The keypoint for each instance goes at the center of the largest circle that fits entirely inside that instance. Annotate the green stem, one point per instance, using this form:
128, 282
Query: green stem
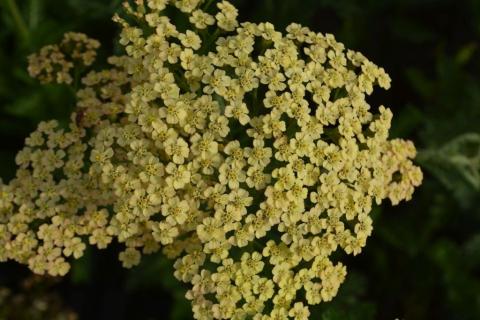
211, 41
255, 104
77, 78
209, 3
20, 24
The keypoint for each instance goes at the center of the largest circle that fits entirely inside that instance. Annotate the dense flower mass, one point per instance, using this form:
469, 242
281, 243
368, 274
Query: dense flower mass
247, 155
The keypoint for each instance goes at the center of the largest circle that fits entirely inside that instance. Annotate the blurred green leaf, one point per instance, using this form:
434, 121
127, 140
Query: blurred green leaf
414, 31
35, 13
456, 165
407, 121
465, 53
472, 250
420, 82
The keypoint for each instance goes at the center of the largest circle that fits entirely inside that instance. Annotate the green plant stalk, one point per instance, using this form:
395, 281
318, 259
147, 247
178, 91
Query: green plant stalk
207, 5
20, 24
211, 41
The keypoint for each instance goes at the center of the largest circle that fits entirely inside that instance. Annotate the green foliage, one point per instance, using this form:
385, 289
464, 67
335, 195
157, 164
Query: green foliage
457, 166
423, 259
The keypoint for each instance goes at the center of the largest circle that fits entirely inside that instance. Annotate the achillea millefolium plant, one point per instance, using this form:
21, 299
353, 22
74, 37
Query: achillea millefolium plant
248, 155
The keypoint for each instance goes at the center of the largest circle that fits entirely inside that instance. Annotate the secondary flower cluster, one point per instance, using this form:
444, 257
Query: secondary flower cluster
247, 155
54, 63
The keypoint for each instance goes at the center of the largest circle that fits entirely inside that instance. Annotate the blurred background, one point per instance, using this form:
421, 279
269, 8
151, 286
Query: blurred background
423, 260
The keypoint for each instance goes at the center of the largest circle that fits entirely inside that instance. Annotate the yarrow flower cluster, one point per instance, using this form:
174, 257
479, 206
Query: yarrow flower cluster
247, 155
54, 63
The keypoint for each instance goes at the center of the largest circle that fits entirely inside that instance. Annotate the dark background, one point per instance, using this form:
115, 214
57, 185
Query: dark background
423, 260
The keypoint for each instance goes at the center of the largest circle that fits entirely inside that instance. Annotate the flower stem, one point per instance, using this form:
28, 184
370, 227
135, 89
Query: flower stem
209, 3
211, 41
20, 24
